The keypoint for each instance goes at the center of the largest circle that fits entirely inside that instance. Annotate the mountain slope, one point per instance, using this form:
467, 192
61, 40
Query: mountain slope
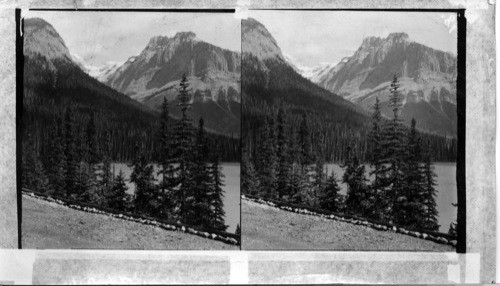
427, 80
213, 74
270, 82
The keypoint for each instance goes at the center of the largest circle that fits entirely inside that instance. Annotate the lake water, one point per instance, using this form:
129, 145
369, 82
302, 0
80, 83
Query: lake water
231, 187
446, 187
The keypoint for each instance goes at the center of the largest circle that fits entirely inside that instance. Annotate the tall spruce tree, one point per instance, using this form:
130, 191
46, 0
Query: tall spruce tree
283, 170
411, 196
217, 197
182, 152
201, 180
393, 146
376, 158
169, 179
429, 192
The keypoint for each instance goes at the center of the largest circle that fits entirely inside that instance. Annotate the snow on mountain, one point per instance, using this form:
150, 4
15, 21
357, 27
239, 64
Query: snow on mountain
311, 73
101, 73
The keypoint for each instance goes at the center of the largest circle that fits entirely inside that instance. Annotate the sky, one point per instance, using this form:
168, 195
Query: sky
100, 37
313, 37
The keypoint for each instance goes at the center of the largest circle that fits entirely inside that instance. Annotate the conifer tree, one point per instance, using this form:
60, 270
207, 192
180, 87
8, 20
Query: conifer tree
376, 158
166, 142
117, 196
358, 201
169, 179
300, 187
70, 153
201, 180
146, 199
412, 207
85, 187
394, 138
217, 195
429, 192
182, 147
329, 198
283, 170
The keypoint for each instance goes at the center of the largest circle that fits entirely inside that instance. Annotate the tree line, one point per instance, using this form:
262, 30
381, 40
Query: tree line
49, 92
287, 162
190, 179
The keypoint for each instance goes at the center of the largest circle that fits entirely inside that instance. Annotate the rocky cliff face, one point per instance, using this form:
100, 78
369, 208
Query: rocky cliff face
213, 74
427, 79
164, 60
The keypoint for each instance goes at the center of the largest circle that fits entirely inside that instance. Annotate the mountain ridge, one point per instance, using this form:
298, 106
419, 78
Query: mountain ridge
427, 80
213, 74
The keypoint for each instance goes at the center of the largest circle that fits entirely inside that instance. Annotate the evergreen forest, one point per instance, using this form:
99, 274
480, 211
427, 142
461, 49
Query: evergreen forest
70, 142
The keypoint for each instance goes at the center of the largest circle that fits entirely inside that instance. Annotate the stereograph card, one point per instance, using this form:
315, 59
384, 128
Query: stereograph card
237, 142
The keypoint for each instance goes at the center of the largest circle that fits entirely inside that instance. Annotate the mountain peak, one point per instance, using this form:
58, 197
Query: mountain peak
185, 35
257, 40
398, 36
158, 41
41, 39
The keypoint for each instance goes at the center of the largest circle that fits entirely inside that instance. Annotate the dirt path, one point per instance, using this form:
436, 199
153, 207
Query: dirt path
47, 225
264, 227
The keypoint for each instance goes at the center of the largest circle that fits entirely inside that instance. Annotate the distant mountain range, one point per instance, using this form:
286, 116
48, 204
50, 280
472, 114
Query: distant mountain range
427, 79
54, 80
213, 75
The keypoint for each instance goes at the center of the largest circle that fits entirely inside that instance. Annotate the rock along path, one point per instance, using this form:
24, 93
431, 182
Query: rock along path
267, 228
47, 225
